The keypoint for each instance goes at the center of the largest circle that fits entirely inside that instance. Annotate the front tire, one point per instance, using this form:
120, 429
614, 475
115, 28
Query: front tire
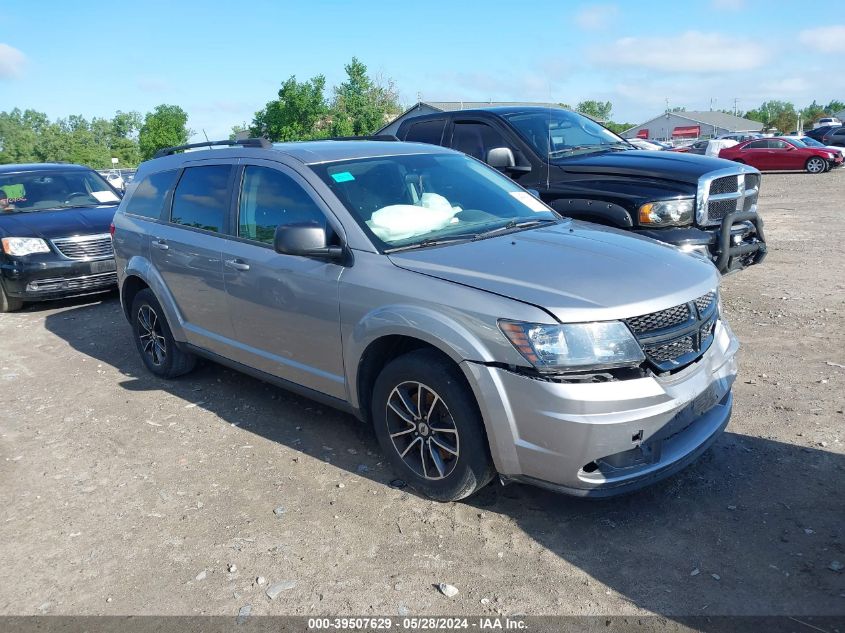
7, 303
816, 165
429, 426
154, 339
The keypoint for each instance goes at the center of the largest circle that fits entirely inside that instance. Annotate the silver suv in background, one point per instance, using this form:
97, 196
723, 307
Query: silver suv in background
480, 332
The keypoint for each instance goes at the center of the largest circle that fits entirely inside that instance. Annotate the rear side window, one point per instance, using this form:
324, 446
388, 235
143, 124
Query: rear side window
757, 145
270, 198
201, 198
149, 195
430, 131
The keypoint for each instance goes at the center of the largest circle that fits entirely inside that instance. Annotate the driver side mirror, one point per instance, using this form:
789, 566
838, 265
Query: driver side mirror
305, 240
502, 158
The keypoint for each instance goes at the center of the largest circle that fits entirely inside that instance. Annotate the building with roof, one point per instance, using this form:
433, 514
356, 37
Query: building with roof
429, 107
674, 126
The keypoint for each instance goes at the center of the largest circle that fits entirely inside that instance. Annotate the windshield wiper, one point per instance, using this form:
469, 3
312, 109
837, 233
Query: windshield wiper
617, 145
431, 241
514, 225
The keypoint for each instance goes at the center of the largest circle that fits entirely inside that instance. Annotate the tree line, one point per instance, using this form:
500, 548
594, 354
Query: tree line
301, 110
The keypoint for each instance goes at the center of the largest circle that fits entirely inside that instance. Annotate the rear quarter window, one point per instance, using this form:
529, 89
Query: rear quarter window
149, 195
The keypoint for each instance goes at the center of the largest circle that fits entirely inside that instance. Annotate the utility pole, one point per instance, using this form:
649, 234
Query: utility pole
736, 101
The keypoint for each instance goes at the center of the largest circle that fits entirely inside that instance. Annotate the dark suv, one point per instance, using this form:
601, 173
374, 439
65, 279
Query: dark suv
584, 171
54, 225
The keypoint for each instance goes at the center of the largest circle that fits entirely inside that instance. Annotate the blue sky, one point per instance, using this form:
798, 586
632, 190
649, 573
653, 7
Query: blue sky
221, 61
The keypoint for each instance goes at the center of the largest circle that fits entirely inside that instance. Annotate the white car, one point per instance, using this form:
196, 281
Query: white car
641, 143
828, 120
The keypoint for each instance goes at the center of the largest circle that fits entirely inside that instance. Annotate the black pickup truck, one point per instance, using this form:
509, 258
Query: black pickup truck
583, 170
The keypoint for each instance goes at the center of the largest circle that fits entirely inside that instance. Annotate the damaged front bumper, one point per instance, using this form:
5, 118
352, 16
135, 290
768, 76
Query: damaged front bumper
607, 438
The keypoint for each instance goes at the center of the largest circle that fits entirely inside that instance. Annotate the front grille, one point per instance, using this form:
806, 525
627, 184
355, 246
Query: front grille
718, 209
727, 194
728, 184
85, 246
89, 282
660, 320
666, 352
677, 336
704, 302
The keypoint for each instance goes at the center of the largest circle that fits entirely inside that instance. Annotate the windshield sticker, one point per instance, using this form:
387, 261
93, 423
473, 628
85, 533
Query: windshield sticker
529, 201
105, 196
343, 176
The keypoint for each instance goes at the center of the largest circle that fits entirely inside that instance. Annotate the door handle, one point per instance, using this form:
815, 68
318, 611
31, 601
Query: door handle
237, 264
160, 244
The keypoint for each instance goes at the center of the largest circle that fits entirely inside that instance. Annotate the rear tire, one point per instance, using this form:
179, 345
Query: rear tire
154, 339
7, 303
429, 426
816, 165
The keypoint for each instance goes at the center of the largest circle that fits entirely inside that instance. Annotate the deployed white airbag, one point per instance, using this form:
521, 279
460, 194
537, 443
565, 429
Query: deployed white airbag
716, 145
401, 221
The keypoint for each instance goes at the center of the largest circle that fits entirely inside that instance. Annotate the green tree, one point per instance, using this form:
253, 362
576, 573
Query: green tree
780, 115
812, 113
298, 113
126, 124
361, 104
834, 106
165, 126
599, 110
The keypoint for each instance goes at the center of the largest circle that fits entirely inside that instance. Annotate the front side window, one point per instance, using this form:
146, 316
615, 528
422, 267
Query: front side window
29, 191
270, 198
777, 144
429, 131
148, 197
476, 139
201, 198
415, 200
560, 134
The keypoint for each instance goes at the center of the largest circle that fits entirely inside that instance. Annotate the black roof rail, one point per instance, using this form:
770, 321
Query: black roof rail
246, 142
371, 137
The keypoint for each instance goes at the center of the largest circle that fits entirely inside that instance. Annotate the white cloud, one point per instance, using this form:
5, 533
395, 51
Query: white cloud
728, 5
596, 17
690, 52
11, 62
827, 39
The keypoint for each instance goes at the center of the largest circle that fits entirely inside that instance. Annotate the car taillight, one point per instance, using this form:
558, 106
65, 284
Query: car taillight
111, 229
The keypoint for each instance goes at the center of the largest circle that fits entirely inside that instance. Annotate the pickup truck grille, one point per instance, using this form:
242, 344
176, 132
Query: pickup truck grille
85, 247
719, 196
675, 337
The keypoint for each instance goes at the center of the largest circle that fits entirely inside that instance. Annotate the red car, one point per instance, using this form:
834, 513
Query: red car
768, 154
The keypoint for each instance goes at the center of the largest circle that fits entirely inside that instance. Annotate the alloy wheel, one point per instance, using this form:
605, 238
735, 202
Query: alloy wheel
422, 430
816, 165
153, 343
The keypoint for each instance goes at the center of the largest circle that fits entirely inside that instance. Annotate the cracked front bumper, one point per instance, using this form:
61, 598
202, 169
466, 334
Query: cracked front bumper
601, 439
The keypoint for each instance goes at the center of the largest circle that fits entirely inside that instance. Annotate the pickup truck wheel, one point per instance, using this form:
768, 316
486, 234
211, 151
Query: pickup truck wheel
429, 426
154, 339
816, 165
7, 303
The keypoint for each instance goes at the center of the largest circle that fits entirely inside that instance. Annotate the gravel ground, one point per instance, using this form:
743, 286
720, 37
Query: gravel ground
124, 494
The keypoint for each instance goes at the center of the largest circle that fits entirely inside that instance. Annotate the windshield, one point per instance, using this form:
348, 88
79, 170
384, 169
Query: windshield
811, 142
54, 189
424, 199
559, 133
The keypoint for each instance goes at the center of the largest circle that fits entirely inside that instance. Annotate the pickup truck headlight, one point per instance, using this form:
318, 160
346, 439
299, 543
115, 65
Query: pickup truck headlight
667, 212
574, 347
24, 245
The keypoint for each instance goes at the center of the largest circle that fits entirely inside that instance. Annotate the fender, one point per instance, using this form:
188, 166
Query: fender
142, 268
439, 330
594, 211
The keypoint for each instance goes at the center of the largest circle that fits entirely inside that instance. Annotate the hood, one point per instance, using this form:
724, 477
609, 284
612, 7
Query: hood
58, 223
642, 163
575, 271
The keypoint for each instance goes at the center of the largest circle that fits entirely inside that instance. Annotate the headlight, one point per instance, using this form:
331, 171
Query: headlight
24, 245
831, 156
574, 347
667, 212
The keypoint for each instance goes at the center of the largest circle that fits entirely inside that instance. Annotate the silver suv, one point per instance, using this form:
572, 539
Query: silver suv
479, 332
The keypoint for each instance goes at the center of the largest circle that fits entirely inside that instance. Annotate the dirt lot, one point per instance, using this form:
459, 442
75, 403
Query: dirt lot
124, 494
